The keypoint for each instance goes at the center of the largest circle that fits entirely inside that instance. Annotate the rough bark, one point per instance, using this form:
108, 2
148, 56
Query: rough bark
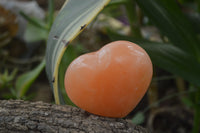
17, 116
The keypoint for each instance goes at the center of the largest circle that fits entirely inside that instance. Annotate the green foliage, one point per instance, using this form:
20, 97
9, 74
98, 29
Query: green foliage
50, 16
138, 118
36, 30
180, 54
25, 80
6, 78
34, 34
116, 2
179, 30
167, 16
168, 57
71, 20
71, 53
34, 21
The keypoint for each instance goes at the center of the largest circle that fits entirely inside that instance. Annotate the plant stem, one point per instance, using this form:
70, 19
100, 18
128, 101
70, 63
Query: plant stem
196, 123
33, 21
50, 13
133, 18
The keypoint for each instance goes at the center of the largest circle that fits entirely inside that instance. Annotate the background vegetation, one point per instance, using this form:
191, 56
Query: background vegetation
167, 29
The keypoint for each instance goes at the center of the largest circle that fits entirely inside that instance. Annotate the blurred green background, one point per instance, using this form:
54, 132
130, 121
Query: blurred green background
169, 30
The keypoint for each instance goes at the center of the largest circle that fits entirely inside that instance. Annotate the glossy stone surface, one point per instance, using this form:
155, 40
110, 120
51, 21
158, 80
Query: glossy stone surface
111, 81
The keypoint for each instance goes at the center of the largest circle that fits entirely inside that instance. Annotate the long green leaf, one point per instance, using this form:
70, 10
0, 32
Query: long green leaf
174, 60
33, 21
168, 17
50, 13
34, 34
168, 57
195, 20
71, 20
71, 53
25, 80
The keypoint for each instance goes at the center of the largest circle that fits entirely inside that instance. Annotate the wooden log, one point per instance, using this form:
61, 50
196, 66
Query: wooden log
17, 116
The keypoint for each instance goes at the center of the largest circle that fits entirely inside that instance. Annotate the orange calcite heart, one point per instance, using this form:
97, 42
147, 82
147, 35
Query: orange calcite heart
111, 81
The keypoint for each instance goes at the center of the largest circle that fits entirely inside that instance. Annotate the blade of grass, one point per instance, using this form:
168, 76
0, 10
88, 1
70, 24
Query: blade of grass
170, 20
50, 13
133, 18
74, 16
33, 21
25, 80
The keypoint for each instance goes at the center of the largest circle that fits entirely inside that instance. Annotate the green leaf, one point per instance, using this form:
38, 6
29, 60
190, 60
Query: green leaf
167, 16
138, 118
50, 13
33, 21
70, 54
174, 60
25, 80
33, 34
168, 57
116, 3
74, 16
195, 20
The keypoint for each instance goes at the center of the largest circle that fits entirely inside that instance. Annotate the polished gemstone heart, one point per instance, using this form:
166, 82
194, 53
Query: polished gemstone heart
111, 81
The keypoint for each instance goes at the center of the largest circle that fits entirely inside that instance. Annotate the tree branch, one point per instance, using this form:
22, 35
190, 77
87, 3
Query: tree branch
17, 116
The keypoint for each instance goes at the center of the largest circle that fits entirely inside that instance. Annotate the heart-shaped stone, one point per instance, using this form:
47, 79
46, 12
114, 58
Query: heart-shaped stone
111, 81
